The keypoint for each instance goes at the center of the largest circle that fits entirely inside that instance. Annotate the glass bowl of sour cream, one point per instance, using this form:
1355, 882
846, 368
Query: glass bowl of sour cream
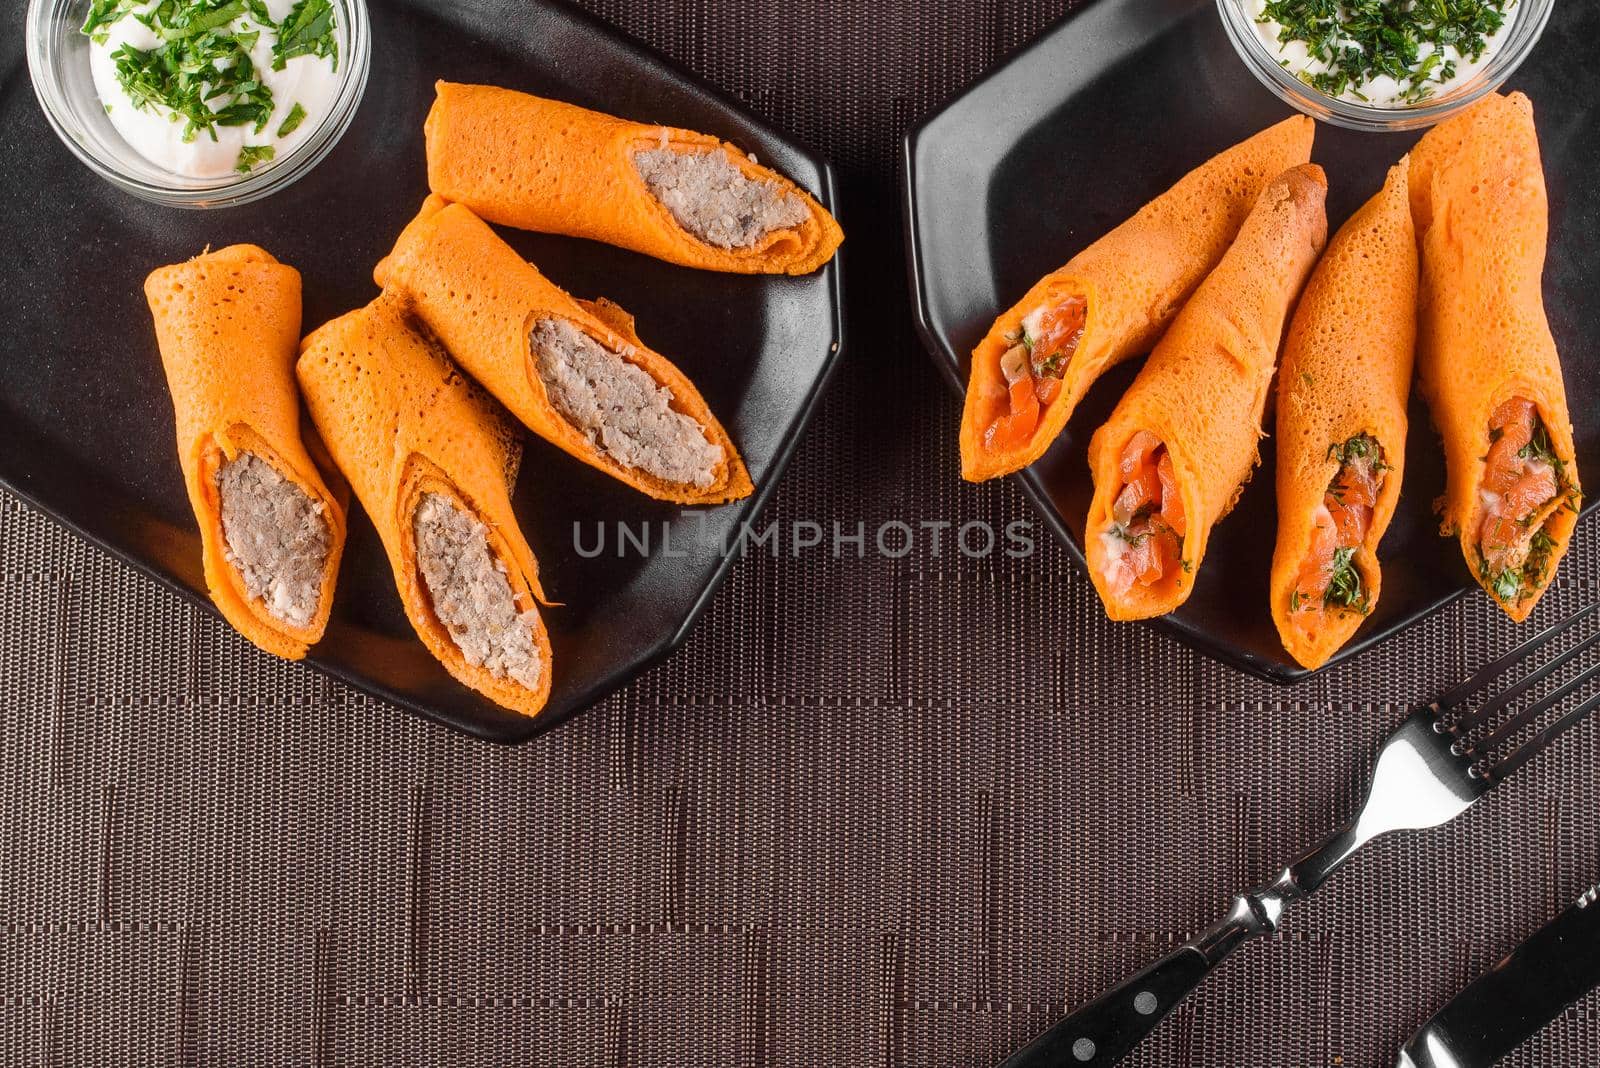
199, 103
1333, 62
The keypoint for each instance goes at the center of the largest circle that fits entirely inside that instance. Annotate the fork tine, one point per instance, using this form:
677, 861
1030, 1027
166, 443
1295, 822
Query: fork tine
1501, 700
1493, 670
1537, 709
1535, 745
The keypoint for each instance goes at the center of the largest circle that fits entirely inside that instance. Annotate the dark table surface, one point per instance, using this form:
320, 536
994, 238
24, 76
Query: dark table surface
887, 812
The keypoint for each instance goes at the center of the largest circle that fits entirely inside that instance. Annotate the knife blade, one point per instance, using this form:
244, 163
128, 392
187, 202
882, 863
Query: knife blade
1507, 1005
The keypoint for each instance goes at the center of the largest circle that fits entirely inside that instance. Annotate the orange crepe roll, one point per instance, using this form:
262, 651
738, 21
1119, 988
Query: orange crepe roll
573, 371
430, 459
680, 196
1486, 359
271, 531
1180, 445
1111, 301
1341, 446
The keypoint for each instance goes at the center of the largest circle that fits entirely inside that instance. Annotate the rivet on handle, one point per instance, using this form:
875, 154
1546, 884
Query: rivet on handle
1144, 1003
1083, 1049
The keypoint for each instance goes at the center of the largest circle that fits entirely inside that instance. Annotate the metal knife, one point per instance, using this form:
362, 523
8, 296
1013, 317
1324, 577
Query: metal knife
1503, 1008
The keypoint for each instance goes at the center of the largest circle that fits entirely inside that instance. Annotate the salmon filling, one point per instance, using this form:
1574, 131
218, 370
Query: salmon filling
1328, 579
1524, 484
1144, 544
1033, 367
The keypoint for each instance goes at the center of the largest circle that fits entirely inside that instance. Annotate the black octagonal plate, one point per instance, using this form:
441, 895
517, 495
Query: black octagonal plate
1109, 108
86, 424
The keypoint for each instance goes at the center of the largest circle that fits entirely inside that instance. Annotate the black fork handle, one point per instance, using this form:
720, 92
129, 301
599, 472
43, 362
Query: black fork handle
1103, 1031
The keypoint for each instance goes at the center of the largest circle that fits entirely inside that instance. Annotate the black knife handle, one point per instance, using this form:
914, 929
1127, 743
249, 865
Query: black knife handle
1507, 1005
1103, 1031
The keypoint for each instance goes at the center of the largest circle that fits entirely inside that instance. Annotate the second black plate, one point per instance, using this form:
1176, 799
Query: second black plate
86, 424
1108, 109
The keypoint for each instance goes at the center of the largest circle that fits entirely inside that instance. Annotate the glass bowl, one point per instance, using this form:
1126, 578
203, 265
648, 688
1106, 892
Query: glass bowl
58, 60
1527, 22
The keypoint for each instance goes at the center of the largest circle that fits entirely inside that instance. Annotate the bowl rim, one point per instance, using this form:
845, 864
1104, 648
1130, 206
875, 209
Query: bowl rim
221, 192
1530, 18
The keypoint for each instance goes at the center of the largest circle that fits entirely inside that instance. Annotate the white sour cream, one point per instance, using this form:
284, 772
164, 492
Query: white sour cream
1384, 90
154, 132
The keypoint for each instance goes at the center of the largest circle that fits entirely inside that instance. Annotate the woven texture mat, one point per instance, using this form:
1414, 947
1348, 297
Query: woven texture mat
877, 812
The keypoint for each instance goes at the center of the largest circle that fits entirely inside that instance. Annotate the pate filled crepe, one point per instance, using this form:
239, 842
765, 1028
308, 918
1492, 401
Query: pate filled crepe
681, 196
1341, 442
1177, 451
430, 458
271, 531
1111, 301
1487, 362
573, 371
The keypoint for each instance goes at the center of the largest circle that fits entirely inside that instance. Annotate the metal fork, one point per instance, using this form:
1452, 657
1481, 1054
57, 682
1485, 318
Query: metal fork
1430, 770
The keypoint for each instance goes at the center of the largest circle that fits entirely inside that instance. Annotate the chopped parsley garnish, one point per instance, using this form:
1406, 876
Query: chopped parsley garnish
206, 80
292, 121
202, 72
250, 155
307, 31
102, 13
1360, 40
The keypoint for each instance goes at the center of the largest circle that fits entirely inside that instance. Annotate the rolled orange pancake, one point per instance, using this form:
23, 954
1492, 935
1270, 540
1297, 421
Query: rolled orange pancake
574, 372
271, 530
1487, 362
1180, 445
1341, 448
1111, 301
429, 458
680, 196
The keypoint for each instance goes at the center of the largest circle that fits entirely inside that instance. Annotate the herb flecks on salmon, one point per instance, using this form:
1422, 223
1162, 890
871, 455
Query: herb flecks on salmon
1033, 367
1147, 517
1329, 579
1524, 484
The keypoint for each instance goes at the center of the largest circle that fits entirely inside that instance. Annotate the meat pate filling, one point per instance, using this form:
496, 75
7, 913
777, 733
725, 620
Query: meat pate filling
624, 411
471, 594
275, 536
714, 200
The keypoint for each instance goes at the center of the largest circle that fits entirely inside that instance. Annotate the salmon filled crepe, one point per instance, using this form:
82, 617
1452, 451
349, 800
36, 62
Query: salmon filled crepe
271, 531
1177, 451
1111, 301
573, 371
1486, 360
431, 459
1341, 443
681, 196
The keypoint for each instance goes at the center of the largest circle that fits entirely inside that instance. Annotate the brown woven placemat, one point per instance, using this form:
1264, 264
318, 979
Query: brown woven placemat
876, 812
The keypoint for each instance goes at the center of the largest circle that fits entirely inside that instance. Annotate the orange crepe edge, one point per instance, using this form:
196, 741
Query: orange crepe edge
1482, 214
1352, 339
1120, 323
232, 388
401, 421
448, 250
1204, 389
539, 164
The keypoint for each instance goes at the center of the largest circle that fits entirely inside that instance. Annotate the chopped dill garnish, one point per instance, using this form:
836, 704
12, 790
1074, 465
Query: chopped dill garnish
1345, 589
1363, 447
1360, 40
